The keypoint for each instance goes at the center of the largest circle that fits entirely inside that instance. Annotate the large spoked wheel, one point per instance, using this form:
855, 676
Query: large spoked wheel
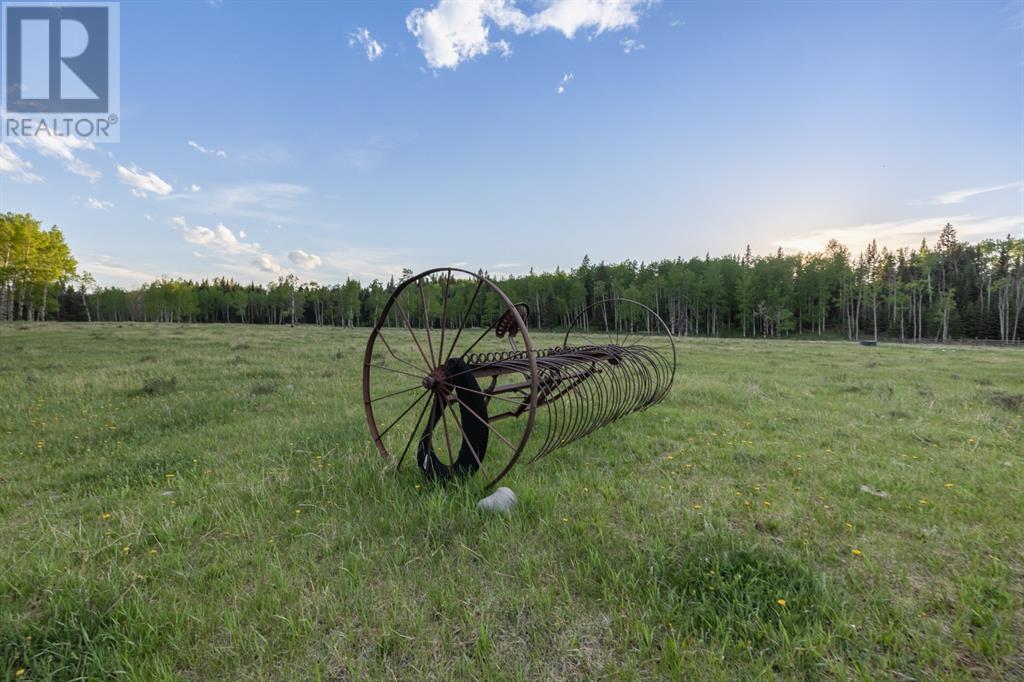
429, 395
631, 325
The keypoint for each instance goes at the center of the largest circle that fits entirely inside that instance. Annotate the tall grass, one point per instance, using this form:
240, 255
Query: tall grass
234, 520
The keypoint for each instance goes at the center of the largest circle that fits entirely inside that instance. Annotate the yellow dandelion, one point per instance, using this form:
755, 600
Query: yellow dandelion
19, 673
298, 511
105, 516
849, 525
169, 475
947, 486
696, 506
669, 457
855, 552
922, 501
565, 519
125, 549
780, 602
767, 503
152, 552
418, 486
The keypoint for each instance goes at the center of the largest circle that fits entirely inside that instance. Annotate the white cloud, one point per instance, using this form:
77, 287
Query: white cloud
17, 168
908, 232
265, 262
194, 188
570, 16
143, 184
457, 30
362, 38
63, 147
306, 261
98, 204
631, 45
565, 81
60, 146
959, 195
215, 152
222, 240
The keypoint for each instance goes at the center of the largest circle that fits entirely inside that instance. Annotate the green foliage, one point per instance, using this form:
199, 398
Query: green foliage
956, 290
33, 263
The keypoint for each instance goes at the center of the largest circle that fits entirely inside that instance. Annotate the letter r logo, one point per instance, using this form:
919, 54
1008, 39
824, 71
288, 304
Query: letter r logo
56, 58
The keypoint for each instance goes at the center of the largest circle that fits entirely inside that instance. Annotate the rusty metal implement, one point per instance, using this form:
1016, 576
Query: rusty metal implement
453, 380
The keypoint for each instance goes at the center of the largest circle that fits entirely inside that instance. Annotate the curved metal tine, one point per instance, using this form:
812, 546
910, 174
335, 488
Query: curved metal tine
444, 317
462, 323
487, 424
390, 395
503, 363
564, 407
467, 441
426, 318
408, 325
387, 345
412, 435
546, 415
399, 417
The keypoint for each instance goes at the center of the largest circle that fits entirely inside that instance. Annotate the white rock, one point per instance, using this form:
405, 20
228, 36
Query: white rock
500, 501
864, 488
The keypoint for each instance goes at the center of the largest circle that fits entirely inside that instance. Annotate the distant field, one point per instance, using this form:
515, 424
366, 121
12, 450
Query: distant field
203, 502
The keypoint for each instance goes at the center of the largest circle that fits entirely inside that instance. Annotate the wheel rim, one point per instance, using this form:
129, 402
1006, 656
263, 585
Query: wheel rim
410, 395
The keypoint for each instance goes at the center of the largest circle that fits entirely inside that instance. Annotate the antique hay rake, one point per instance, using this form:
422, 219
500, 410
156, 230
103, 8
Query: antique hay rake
452, 376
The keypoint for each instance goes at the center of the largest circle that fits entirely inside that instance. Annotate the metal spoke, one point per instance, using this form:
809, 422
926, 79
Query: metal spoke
426, 318
487, 424
408, 325
390, 395
399, 417
392, 352
462, 324
396, 371
444, 424
468, 442
493, 396
478, 340
444, 317
412, 435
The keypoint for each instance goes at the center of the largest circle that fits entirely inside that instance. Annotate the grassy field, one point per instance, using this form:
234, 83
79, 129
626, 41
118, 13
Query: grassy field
200, 502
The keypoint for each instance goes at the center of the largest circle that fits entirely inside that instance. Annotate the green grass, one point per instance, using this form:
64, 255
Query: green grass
204, 502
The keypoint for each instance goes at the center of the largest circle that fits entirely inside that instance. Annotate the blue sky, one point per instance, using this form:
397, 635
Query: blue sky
337, 139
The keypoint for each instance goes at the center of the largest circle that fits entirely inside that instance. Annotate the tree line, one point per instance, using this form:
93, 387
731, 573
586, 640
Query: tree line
945, 291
